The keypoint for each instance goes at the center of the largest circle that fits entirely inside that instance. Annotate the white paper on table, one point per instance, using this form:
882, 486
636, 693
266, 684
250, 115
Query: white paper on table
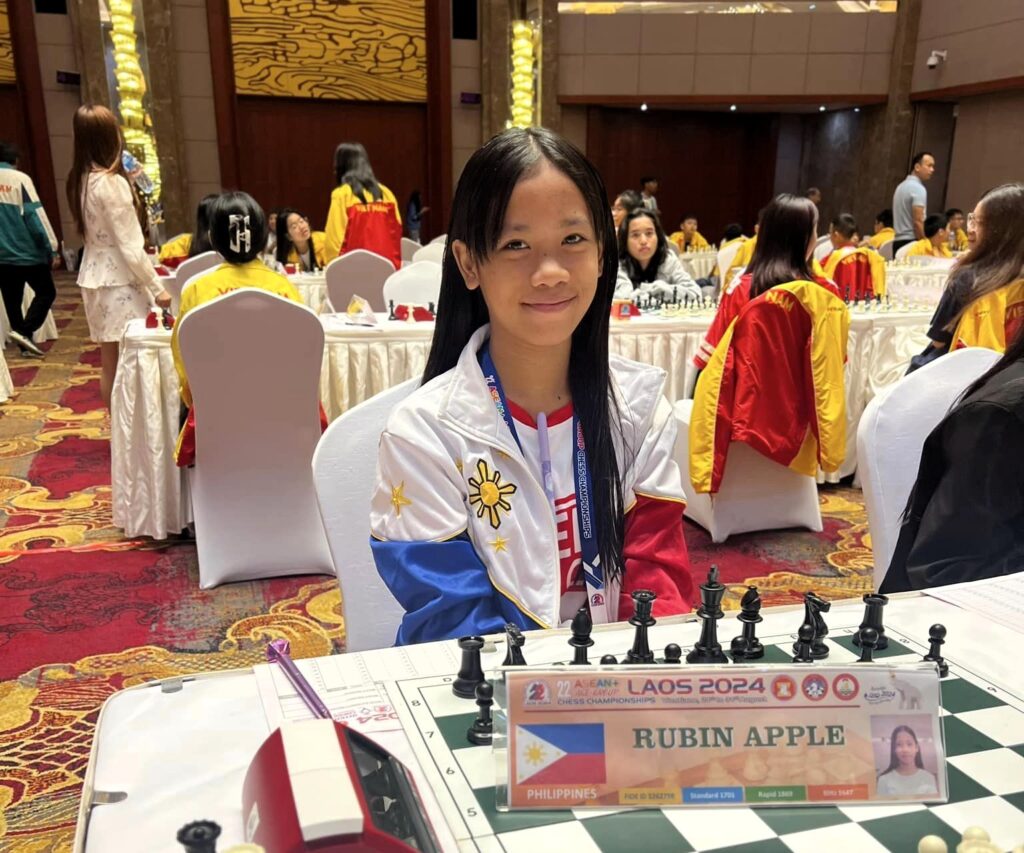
1001, 598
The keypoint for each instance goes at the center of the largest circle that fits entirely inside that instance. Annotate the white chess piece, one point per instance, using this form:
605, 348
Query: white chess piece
932, 844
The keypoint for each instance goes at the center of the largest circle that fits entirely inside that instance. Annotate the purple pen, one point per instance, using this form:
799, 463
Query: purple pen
277, 652
545, 458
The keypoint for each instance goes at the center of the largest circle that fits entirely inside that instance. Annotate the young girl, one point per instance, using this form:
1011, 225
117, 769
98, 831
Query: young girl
905, 775
646, 264
117, 279
186, 246
297, 244
531, 474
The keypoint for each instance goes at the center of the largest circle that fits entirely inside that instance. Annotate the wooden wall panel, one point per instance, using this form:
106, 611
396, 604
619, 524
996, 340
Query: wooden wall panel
286, 149
720, 166
12, 127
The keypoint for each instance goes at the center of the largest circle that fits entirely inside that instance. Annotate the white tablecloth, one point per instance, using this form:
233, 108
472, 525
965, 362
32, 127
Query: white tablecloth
917, 285
46, 332
699, 264
361, 361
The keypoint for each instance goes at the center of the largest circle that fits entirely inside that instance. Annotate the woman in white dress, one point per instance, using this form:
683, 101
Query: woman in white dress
118, 280
906, 776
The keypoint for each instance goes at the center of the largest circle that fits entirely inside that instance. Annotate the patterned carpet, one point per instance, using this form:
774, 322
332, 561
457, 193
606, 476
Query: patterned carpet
85, 612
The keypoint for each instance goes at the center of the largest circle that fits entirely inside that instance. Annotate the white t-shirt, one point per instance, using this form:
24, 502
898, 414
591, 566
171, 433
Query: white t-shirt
894, 784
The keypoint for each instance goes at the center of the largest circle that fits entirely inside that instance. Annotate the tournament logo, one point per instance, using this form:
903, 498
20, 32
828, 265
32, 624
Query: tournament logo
537, 693
783, 688
845, 686
815, 687
597, 600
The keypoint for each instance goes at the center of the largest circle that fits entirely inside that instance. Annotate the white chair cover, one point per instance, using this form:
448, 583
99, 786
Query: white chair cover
902, 251
345, 475
822, 248
674, 248
409, 248
6, 384
725, 258
756, 493
885, 250
891, 435
186, 270
357, 272
253, 362
417, 284
433, 251
440, 238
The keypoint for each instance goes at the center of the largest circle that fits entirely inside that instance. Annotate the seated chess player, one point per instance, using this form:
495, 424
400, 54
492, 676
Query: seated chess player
647, 265
238, 231
297, 244
186, 246
883, 233
957, 236
935, 243
788, 234
965, 517
625, 202
858, 273
688, 238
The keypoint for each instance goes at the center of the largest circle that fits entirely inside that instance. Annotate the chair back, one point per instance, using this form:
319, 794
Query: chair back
409, 248
433, 251
417, 284
885, 250
822, 248
903, 251
345, 476
357, 272
673, 247
725, 258
891, 435
440, 238
257, 425
186, 270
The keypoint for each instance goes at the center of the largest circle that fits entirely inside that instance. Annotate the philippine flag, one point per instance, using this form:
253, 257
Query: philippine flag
556, 754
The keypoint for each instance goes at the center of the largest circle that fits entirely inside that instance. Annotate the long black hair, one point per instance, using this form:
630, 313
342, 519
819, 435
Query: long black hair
787, 225
352, 167
894, 762
238, 227
478, 214
284, 239
201, 236
631, 265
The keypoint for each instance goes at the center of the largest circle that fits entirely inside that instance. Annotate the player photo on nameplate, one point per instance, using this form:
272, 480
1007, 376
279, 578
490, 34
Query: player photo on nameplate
629, 736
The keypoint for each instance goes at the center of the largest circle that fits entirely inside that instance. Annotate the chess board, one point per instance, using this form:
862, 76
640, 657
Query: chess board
984, 737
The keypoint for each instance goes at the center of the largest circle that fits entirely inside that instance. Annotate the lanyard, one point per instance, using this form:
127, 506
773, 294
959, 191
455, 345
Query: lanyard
593, 573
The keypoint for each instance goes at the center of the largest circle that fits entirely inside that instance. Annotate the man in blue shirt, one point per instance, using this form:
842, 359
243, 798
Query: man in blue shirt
910, 201
28, 247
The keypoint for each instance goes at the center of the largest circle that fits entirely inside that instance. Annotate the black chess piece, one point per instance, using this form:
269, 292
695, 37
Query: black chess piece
804, 644
873, 605
708, 649
868, 644
643, 603
608, 660
483, 726
936, 637
430, 308
673, 654
391, 309
471, 671
515, 641
200, 836
814, 606
747, 646
582, 625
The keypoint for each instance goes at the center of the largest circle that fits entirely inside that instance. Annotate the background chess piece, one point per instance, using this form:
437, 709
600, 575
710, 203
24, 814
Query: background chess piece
515, 641
803, 646
936, 637
873, 606
199, 836
643, 604
708, 649
868, 644
582, 625
482, 729
747, 646
471, 672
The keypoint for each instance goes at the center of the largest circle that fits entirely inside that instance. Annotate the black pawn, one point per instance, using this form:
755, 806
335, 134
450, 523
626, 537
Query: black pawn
868, 644
747, 646
391, 309
483, 726
804, 644
643, 604
936, 637
673, 654
199, 836
873, 605
608, 660
582, 625
515, 640
471, 672
430, 307
708, 649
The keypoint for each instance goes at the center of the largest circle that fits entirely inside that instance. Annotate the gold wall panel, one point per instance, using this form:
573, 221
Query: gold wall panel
6, 49
356, 50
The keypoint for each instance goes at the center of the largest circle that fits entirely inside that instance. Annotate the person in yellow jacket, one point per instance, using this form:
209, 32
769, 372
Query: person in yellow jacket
185, 246
884, 232
742, 258
238, 229
297, 244
957, 236
935, 243
364, 213
688, 238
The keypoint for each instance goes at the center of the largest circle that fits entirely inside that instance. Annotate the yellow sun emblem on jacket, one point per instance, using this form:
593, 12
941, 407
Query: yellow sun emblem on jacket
488, 494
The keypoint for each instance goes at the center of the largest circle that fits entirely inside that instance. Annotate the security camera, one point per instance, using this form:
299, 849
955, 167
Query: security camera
936, 58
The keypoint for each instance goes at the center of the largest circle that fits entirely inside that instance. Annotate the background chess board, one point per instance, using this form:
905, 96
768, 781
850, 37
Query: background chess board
984, 737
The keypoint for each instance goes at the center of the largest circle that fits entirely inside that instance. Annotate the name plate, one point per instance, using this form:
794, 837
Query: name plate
666, 736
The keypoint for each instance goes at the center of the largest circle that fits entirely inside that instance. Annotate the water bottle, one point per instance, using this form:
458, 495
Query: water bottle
135, 172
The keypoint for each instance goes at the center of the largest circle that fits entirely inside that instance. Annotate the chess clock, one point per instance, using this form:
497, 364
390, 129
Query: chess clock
320, 785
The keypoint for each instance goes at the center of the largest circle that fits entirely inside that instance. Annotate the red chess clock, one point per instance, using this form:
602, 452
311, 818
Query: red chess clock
321, 786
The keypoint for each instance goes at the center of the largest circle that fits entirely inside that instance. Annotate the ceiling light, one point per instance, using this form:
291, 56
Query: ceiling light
643, 108
732, 108
856, 109
821, 109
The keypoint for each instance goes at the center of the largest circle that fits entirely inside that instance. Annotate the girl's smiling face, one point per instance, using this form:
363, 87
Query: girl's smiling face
906, 749
540, 279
